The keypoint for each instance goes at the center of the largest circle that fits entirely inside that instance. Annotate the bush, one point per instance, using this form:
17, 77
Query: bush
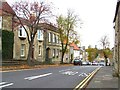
7, 44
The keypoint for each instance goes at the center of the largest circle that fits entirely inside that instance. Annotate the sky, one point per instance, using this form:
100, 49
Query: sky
96, 15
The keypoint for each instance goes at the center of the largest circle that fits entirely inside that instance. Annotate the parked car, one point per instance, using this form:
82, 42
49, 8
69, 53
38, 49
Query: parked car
94, 63
90, 63
102, 63
77, 62
85, 63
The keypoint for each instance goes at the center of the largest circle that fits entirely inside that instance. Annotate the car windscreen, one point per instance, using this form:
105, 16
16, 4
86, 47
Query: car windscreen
76, 60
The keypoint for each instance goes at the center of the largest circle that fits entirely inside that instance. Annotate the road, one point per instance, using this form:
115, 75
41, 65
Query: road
53, 77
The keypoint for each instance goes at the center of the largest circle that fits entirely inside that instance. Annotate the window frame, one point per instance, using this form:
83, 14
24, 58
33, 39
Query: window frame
40, 35
22, 32
22, 50
39, 50
0, 22
54, 52
49, 37
53, 38
57, 52
57, 39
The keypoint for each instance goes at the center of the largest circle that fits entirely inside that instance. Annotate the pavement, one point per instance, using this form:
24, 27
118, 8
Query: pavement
103, 80
26, 67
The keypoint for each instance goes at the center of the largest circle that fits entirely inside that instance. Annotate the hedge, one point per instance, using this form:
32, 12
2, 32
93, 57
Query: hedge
7, 44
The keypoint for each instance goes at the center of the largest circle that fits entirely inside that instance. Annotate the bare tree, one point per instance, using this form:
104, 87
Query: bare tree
31, 15
104, 41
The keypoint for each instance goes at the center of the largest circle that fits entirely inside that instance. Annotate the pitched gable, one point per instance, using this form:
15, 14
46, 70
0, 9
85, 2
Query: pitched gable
5, 8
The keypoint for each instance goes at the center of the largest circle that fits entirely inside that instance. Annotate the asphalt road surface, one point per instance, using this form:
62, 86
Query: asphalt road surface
53, 77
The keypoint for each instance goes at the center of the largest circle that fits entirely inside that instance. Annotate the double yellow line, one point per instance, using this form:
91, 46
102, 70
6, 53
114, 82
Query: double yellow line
86, 80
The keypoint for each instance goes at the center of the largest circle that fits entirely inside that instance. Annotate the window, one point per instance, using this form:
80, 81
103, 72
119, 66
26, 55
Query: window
40, 34
22, 32
49, 37
57, 53
0, 22
22, 50
53, 38
57, 39
54, 53
40, 50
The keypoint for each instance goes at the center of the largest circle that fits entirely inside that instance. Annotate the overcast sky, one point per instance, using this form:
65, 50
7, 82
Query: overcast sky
97, 17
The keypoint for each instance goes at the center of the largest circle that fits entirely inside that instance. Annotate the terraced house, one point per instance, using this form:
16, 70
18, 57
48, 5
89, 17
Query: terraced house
21, 44
46, 45
51, 43
117, 40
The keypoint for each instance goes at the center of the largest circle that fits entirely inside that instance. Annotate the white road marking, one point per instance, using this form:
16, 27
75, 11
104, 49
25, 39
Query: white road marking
83, 75
2, 83
5, 84
64, 70
38, 76
70, 73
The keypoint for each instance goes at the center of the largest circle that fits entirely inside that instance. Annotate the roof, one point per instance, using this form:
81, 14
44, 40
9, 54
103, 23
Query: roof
75, 47
6, 8
117, 7
48, 26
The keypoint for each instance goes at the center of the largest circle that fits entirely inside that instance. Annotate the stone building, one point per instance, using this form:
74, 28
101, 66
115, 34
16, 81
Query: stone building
21, 44
117, 40
51, 43
46, 45
6, 16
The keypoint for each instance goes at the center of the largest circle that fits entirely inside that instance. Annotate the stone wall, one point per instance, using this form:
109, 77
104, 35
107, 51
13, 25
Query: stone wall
7, 22
117, 42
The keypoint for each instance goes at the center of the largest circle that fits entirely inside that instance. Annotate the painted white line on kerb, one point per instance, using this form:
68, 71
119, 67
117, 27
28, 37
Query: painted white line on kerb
6, 85
38, 76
